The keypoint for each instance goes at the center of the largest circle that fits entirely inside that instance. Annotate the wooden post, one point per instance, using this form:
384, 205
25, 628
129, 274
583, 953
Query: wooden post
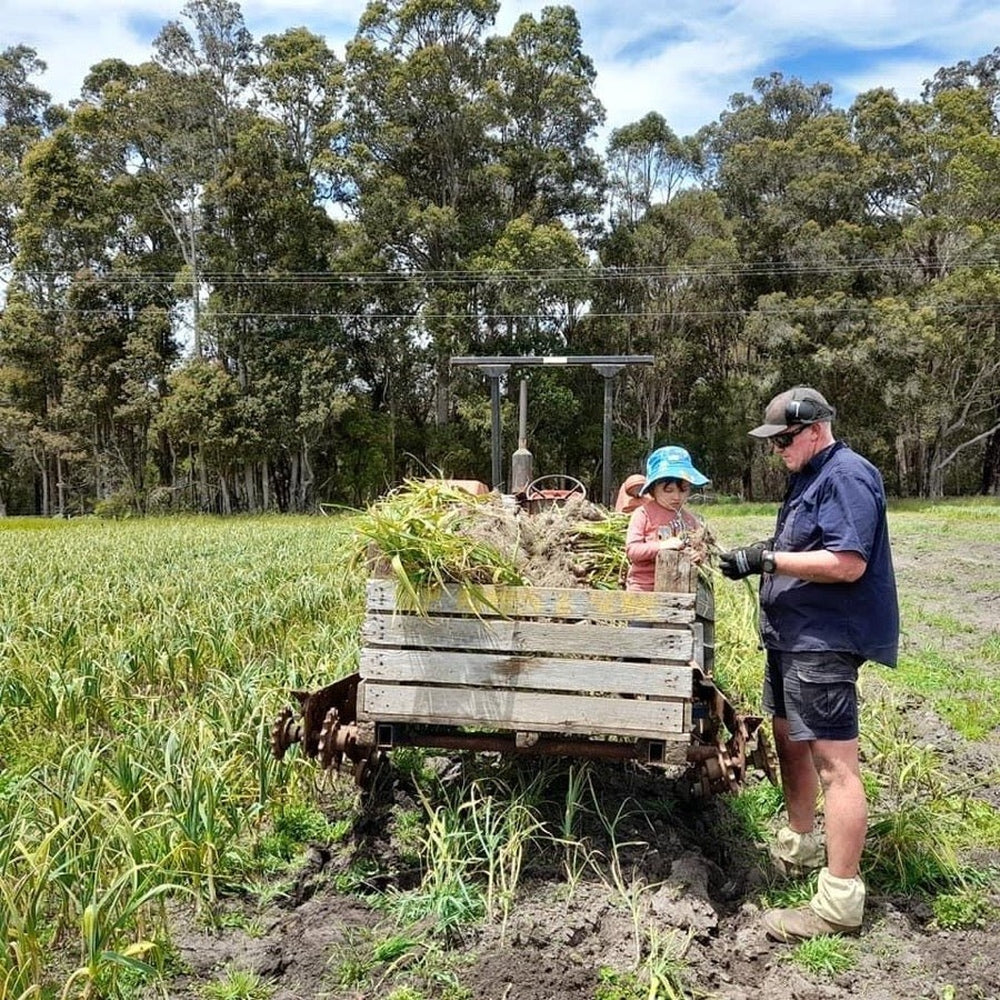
675, 572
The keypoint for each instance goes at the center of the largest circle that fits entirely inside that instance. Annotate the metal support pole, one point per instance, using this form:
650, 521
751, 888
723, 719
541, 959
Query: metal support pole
495, 373
608, 372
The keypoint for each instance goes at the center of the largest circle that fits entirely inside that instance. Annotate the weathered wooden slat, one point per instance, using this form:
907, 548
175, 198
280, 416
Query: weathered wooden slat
543, 602
504, 636
521, 710
413, 666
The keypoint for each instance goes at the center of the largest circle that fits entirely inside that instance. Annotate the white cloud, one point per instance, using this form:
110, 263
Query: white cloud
682, 58
904, 76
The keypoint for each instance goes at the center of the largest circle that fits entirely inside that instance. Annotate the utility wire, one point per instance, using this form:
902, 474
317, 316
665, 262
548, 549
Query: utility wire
207, 314
602, 273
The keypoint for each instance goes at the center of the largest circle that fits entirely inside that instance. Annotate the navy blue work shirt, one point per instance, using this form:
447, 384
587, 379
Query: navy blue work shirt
836, 502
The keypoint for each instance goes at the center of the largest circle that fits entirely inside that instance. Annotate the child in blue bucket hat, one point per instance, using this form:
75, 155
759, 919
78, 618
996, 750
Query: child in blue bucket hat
663, 522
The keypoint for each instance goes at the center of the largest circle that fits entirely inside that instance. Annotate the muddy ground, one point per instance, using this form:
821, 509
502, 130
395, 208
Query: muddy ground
703, 883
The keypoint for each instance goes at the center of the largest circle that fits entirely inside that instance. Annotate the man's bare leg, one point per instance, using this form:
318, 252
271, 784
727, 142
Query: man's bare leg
845, 809
799, 779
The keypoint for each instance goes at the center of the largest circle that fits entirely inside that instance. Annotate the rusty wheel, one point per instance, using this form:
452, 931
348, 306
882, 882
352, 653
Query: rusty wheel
562, 487
329, 736
284, 732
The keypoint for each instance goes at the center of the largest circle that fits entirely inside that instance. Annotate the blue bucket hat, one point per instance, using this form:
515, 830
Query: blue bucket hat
671, 462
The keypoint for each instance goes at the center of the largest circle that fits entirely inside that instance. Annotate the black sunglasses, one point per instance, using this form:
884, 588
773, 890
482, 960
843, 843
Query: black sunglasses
784, 440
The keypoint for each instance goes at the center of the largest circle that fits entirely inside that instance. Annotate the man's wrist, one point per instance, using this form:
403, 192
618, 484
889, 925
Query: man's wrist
768, 562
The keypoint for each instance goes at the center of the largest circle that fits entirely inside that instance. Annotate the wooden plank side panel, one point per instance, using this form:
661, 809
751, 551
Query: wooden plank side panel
705, 602
521, 710
543, 602
436, 632
537, 673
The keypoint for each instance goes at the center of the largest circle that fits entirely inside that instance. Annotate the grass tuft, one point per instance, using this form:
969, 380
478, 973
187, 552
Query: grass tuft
825, 956
238, 984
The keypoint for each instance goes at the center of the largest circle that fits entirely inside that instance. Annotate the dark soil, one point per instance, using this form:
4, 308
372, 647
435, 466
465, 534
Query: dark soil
701, 882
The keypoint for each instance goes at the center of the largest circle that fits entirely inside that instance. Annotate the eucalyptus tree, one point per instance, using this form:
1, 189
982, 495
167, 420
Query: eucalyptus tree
934, 164
648, 163
230, 145
89, 268
982, 75
270, 308
919, 377
297, 81
534, 283
926, 166
115, 198
417, 123
452, 137
544, 117
198, 419
670, 286
367, 396
33, 444
791, 177
158, 125
178, 115
795, 183
216, 50
62, 230
26, 115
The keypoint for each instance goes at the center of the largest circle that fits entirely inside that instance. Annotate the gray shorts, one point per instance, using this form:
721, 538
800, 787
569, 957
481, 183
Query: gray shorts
816, 692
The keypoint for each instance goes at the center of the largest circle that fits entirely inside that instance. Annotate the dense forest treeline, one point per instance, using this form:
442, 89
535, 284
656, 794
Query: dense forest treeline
235, 275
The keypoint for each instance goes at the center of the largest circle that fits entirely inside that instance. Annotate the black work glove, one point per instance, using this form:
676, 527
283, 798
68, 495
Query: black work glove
738, 563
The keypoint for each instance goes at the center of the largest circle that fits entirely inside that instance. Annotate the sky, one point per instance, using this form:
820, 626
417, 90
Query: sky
681, 58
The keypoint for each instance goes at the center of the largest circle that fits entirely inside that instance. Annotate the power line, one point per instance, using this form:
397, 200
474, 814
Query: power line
893, 264
209, 314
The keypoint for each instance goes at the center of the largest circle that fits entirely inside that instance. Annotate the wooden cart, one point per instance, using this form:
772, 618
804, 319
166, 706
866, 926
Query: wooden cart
531, 670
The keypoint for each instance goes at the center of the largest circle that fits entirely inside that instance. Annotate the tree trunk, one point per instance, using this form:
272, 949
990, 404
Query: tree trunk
203, 498
935, 471
305, 476
902, 466
42, 463
990, 484
250, 486
60, 486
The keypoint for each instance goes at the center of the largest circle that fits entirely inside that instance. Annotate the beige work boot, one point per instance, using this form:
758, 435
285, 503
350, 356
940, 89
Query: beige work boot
797, 854
837, 908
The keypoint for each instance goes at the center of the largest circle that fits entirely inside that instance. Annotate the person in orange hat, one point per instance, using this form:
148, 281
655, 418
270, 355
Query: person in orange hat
629, 494
663, 521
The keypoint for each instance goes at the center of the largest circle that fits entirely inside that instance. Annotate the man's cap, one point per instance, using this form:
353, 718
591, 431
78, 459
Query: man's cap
792, 408
671, 462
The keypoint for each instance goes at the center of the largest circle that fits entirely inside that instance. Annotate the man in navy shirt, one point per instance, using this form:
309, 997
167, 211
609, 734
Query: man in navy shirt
828, 603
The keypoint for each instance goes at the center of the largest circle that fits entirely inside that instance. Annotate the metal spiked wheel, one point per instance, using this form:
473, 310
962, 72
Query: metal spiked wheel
284, 733
330, 737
